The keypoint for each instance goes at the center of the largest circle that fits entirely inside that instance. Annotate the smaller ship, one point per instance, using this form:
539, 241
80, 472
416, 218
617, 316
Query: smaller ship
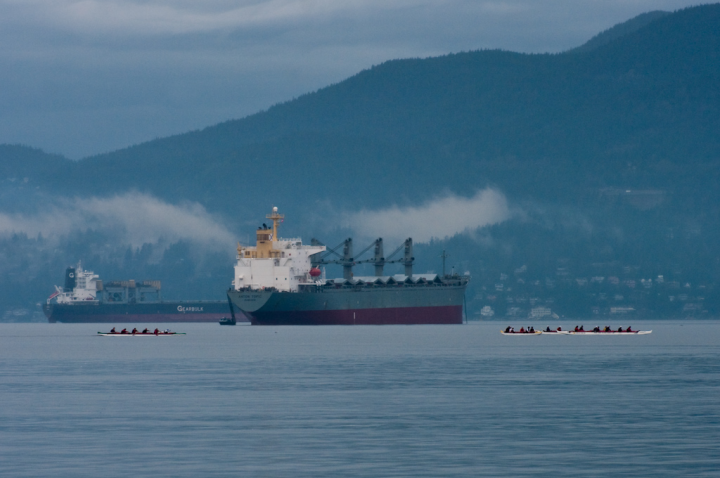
84, 298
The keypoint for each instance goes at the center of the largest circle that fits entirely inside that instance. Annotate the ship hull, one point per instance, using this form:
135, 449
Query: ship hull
389, 316
363, 306
200, 311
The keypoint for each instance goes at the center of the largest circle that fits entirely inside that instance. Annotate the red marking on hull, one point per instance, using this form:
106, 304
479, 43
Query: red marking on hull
388, 316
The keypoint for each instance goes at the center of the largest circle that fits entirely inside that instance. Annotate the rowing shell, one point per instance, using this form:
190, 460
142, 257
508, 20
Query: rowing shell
537, 332
105, 334
634, 332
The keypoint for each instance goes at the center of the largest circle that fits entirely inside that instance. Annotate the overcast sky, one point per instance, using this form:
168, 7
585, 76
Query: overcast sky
80, 77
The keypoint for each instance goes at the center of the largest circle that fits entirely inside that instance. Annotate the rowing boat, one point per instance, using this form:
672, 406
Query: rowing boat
590, 332
149, 334
537, 332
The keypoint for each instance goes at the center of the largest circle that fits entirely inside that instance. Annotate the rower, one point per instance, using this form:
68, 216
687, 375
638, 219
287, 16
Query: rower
607, 329
124, 331
619, 329
629, 329
112, 331
507, 331
547, 329
559, 329
582, 329
156, 332
531, 329
522, 330
596, 329
577, 329
145, 331
135, 331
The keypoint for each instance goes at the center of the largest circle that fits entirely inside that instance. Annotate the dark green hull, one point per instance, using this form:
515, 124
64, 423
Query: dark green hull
180, 311
402, 304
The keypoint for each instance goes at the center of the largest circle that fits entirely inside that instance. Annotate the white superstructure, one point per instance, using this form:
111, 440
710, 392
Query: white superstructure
275, 262
86, 286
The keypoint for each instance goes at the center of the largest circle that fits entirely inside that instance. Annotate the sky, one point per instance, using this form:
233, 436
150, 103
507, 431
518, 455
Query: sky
83, 77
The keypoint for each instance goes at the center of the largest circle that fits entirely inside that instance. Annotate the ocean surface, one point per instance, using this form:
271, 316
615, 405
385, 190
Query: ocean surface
436, 401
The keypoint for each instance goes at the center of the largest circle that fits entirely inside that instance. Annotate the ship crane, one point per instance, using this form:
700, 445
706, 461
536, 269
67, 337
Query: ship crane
347, 260
407, 259
378, 258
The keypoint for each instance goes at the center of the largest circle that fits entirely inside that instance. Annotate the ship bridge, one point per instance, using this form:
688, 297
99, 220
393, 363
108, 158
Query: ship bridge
280, 263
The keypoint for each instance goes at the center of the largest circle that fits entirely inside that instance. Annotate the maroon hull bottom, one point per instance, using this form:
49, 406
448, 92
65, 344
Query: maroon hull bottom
144, 318
387, 316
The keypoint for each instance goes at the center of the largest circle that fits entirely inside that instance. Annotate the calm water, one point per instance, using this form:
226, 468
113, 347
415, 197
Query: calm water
359, 401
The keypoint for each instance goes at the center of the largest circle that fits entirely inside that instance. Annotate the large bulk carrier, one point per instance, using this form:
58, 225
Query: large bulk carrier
84, 298
279, 282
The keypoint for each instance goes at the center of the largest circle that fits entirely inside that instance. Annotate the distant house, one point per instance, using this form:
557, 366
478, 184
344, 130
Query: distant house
642, 199
513, 312
691, 307
540, 312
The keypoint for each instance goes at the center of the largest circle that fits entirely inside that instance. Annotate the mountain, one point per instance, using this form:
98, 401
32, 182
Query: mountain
21, 161
637, 108
631, 111
620, 30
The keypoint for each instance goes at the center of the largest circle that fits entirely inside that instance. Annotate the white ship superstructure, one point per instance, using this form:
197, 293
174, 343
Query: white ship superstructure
80, 285
279, 263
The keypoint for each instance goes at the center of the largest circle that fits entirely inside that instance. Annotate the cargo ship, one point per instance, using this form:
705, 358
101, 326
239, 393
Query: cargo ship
85, 299
279, 282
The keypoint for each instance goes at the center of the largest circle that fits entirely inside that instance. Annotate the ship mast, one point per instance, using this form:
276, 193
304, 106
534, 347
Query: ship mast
276, 219
444, 256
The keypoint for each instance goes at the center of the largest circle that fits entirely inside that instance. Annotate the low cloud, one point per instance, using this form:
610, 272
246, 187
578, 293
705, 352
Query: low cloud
131, 218
439, 218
